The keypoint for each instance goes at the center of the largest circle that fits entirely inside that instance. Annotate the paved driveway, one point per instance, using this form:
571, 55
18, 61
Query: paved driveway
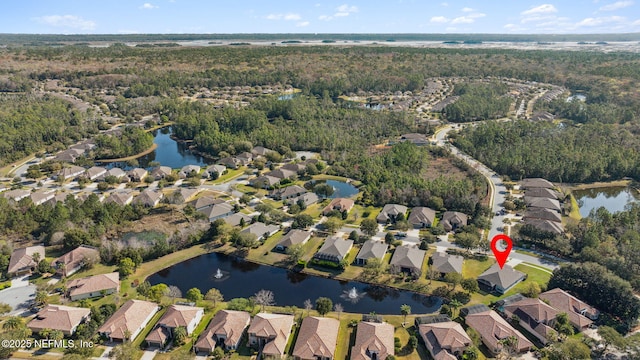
19, 295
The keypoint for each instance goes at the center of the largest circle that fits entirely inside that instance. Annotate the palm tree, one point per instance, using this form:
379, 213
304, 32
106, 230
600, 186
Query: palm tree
42, 298
45, 333
454, 304
405, 310
56, 335
180, 335
13, 323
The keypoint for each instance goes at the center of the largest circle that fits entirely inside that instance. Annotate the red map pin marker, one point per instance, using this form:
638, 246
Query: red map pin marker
501, 255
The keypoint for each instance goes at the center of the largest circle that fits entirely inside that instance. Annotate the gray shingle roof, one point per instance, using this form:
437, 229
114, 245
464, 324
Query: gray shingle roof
447, 263
372, 249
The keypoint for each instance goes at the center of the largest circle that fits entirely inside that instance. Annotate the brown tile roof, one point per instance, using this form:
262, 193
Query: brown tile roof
22, 259
179, 315
493, 328
534, 312
448, 337
58, 317
373, 338
75, 258
129, 318
93, 283
227, 323
574, 307
272, 326
317, 338
159, 335
340, 204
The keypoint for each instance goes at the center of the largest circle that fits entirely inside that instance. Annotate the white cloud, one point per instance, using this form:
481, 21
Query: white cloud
476, 15
341, 11
589, 22
439, 20
542, 9
636, 23
462, 20
303, 24
148, 6
67, 21
467, 9
286, 17
617, 5
444, 4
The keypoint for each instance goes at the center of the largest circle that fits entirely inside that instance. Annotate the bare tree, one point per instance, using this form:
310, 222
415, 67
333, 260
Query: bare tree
308, 305
339, 309
173, 292
265, 298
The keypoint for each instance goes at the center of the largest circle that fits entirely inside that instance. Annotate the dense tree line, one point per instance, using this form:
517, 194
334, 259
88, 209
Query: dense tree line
132, 140
558, 152
600, 288
29, 124
481, 101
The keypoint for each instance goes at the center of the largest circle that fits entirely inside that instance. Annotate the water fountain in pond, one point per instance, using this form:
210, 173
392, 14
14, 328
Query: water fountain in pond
352, 295
220, 275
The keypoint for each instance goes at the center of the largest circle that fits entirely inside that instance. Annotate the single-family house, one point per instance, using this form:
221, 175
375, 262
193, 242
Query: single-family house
453, 220
264, 181
149, 198
445, 263
407, 259
182, 195
188, 170
500, 304
317, 339
230, 162
60, 197
260, 151
334, 249
473, 309
391, 212
270, 333
421, 217
282, 173
128, 321
238, 219
500, 280
176, 315
69, 155
205, 202
95, 173
445, 340
308, 198
23, 261
535, 316
581, 314
93, 286
536, 183
548, 226
160, 172
371, 249
137, 174
69, 263
225, 330
121, 198
543, 193
217, 211
492, 328
70, 173
261, 230
542, 214
288, 192
117, 173
59, 317
17, 194
245, 158
415, 138
293, 237
374, 341
297, 167
339, 204
544, 203
214, 171
40, 197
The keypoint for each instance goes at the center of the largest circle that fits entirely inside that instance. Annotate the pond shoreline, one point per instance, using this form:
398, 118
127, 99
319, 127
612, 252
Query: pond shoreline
596, 185
138, 155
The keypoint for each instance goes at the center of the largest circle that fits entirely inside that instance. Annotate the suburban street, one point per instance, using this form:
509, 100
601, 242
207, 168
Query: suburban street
498, 192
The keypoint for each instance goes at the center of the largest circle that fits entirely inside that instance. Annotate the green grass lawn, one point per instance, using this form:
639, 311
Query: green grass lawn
230, 175
315, 210
265, 254
356, 214
473, 268
575, 209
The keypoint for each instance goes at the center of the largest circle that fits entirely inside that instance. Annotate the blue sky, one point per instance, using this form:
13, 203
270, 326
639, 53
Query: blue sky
319, 16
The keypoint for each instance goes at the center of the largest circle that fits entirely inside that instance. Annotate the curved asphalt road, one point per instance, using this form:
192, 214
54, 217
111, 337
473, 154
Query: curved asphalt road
498, 191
